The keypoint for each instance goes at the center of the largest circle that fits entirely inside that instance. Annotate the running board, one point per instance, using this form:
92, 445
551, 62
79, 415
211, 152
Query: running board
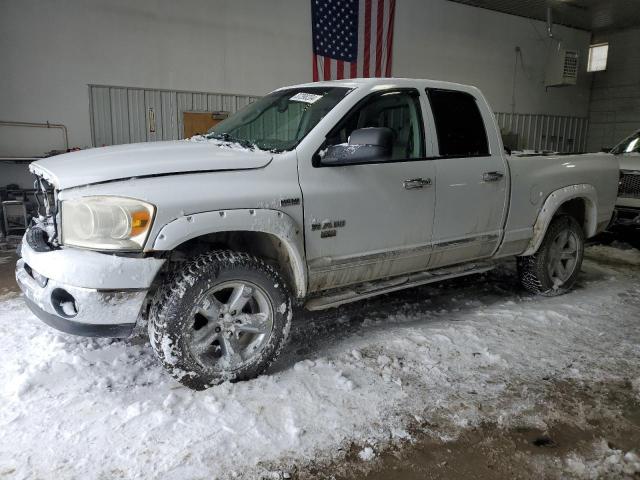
371, 289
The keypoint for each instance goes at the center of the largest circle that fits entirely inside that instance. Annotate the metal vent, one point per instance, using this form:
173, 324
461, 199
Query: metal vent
629, 186
570, 69
562, 68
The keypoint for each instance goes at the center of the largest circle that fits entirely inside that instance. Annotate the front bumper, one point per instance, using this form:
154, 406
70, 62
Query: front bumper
96, 307
626, 217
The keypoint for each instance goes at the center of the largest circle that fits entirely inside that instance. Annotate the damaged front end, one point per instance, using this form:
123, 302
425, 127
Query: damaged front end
75, 290
43, 233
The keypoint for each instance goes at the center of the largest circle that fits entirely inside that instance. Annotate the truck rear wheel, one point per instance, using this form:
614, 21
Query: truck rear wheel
224, 316
553, 269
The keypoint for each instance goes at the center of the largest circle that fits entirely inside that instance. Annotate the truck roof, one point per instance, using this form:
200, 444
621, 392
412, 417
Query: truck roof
391, 82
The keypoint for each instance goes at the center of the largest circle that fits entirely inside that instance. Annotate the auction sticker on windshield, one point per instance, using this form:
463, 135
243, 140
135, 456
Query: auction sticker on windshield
305, 97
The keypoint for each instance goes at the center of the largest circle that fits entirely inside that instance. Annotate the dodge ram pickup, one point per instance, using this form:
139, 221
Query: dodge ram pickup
314, 196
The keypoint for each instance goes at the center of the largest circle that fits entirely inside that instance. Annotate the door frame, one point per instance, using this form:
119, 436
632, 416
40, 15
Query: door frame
323, 266
487, 244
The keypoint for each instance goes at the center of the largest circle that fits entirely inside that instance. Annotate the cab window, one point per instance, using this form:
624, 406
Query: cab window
459, 124
397, 110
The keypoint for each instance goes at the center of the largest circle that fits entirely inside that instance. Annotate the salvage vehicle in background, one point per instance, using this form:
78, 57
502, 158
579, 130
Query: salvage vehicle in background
627, 211
318, 194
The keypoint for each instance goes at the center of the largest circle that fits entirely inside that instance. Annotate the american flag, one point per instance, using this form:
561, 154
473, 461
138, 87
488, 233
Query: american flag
352, 38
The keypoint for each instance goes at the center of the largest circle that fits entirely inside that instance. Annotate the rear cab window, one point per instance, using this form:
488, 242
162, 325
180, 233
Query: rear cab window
460, 128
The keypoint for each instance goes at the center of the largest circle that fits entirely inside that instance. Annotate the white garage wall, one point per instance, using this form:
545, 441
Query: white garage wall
51, 50
451, 41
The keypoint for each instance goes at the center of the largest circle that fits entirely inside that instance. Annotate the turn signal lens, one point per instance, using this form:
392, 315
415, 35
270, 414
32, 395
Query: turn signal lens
139, 222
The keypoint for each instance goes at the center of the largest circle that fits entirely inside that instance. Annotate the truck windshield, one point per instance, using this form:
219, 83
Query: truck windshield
280, 120
630, 144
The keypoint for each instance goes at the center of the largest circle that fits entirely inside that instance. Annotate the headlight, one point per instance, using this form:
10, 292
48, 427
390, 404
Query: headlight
106, 223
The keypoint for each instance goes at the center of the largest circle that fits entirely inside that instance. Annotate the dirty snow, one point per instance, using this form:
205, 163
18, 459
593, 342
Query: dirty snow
444, 357
617, 252
604, 462
367, 454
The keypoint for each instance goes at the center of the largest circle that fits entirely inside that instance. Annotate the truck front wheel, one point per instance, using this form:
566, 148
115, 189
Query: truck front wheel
224, 316
553, 269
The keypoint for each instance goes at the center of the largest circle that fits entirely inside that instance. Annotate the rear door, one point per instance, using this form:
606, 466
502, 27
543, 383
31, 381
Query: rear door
472, 184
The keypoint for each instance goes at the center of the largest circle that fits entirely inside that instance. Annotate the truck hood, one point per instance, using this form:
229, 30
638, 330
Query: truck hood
120, 162
629, 161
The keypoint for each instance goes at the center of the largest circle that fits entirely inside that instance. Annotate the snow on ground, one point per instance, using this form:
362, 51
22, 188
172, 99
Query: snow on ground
609, 463
617, 252
443, 357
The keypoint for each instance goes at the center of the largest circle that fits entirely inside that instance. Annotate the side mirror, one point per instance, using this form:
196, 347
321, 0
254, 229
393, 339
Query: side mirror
371, 144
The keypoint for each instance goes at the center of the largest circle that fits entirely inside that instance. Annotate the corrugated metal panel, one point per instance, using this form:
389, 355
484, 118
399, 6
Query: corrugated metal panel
229, 103
153, 109
101, 110
137, 117
200, 103
126, 115
545, 132
185, 104
169, 115
214, 103
120, 116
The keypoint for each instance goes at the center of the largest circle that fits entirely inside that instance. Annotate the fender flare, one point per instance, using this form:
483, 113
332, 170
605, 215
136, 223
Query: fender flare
552, 204
268, 221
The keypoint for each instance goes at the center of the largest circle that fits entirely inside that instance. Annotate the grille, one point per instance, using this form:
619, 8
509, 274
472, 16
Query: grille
629, 186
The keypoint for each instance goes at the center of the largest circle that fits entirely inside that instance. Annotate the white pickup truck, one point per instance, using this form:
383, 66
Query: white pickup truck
315, 195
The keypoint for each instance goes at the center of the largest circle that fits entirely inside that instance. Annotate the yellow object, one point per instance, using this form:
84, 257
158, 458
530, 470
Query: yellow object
139, 221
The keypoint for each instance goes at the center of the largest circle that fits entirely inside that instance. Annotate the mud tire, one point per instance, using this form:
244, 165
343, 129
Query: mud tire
171, 315
533, 270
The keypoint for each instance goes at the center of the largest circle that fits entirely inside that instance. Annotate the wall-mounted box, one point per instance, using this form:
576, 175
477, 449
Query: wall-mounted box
562, 68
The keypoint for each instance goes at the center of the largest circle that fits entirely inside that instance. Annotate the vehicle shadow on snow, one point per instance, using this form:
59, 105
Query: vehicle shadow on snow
630, 236
313, 333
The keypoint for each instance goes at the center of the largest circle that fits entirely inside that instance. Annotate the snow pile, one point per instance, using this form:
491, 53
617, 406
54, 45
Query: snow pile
220, 143
608, 463
617, 252
438, 358
367, 454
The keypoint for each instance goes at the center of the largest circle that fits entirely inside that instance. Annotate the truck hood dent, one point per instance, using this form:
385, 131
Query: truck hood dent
120, 162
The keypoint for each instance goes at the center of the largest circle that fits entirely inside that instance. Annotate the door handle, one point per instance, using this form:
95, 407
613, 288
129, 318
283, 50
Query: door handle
492, 176
416, 183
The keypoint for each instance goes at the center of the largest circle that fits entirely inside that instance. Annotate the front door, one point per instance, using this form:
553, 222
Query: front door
472, 180
370, 221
